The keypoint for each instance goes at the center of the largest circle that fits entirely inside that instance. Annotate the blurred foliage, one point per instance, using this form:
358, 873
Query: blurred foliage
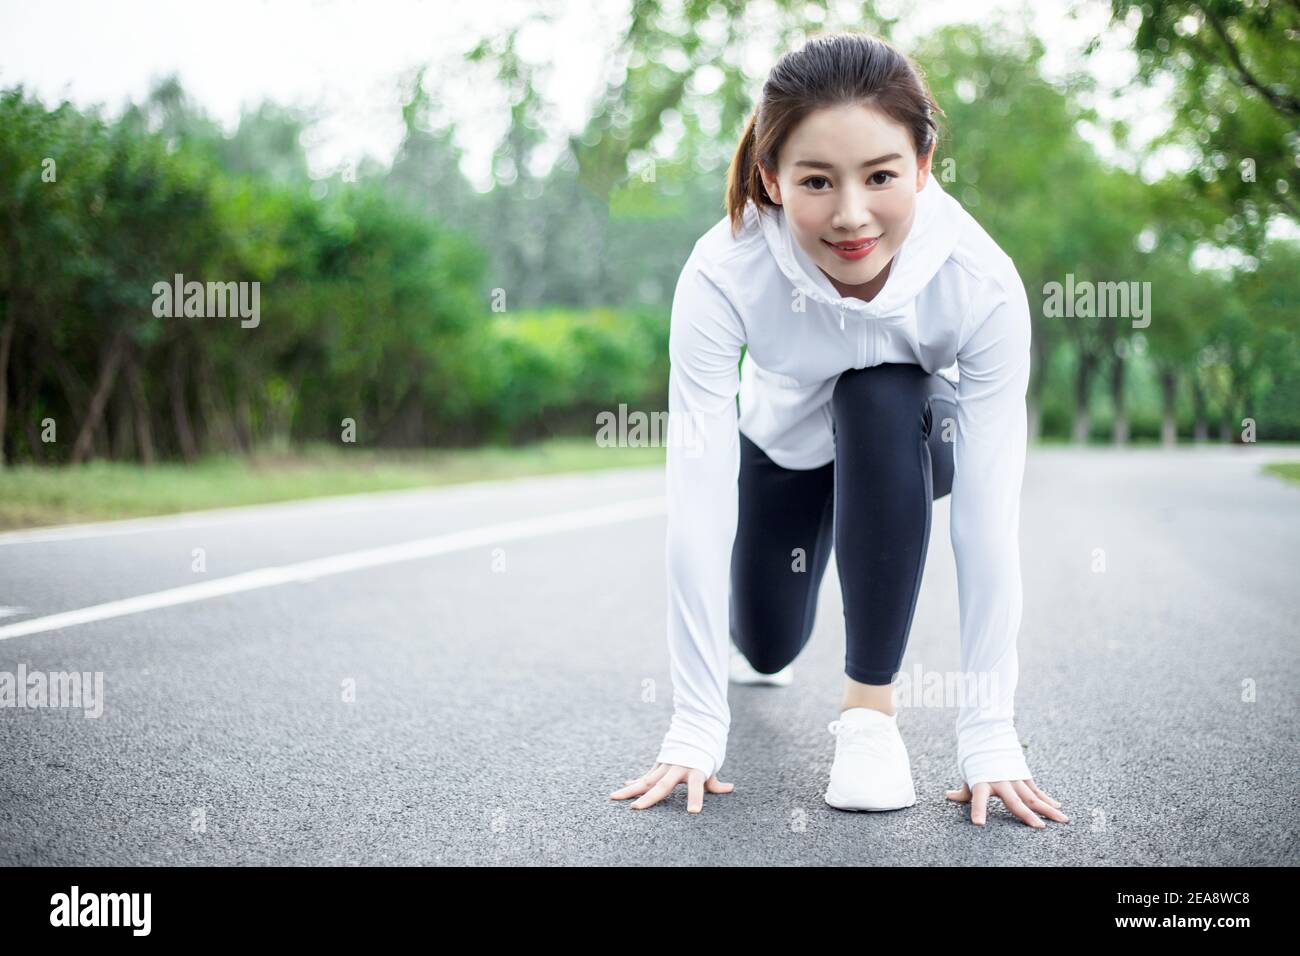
1235, 67
432, 313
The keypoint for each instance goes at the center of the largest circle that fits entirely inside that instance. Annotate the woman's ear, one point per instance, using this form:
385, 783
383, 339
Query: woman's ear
923, 167
770, 184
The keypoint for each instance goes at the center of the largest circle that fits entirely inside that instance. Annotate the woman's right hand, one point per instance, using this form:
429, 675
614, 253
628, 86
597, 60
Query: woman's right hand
663, 778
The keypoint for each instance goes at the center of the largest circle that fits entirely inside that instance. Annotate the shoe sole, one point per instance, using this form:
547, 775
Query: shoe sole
835, 800
764, 681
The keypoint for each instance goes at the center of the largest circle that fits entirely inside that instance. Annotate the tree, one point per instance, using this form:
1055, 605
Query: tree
1235, 66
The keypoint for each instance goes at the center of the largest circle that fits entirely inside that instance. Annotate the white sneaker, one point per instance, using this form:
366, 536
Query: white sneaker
871, 769
743, 673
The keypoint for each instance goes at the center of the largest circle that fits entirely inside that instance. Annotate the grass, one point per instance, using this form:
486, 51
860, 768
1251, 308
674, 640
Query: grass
34, 496
1287, 469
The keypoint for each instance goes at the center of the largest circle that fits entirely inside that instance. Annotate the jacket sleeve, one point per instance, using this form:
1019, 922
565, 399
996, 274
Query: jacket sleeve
989, 460
703, 462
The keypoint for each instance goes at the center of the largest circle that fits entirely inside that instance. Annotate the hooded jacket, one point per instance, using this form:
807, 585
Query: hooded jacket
953, 304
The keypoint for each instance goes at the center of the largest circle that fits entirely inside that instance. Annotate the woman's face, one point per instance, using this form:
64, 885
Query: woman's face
849, 173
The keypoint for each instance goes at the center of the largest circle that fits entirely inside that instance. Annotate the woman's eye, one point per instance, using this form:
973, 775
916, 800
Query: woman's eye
871, 179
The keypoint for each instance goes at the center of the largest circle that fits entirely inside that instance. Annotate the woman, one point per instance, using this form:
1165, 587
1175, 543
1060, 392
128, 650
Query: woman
885, 344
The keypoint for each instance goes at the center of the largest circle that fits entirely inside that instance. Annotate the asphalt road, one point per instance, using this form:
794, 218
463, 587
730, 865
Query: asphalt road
475, 697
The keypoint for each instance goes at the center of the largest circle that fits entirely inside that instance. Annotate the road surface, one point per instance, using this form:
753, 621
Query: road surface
462, 675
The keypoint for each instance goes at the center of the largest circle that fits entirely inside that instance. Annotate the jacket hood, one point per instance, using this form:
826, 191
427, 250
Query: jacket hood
935, 232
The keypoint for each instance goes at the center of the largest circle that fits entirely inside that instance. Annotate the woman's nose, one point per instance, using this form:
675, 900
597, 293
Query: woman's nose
853, 213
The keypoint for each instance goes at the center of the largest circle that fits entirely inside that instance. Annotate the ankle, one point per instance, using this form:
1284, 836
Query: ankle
872, 696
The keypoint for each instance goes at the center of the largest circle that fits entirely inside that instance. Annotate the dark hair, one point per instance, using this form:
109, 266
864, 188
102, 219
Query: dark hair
829, 70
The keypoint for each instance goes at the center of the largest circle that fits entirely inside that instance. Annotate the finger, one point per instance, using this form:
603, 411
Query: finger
1007, 793
1034, 787
979, 803
633, 789
657, 792
638, 785
714, 785
961, 795
1037, 803
665, 786
695, 791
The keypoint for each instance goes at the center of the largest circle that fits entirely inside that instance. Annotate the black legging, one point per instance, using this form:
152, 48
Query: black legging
893, 458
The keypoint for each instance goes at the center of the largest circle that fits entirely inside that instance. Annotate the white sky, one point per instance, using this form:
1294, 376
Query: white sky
347, 58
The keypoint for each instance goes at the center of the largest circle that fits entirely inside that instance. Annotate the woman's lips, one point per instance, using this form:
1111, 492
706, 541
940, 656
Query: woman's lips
851, 252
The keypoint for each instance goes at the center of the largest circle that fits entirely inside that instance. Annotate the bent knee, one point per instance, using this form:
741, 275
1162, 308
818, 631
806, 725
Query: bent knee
881, 392
886, 379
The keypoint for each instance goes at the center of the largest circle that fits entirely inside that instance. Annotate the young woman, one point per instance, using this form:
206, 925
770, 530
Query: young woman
885, 344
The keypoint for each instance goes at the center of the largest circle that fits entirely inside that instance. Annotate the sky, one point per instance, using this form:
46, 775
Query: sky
350, 59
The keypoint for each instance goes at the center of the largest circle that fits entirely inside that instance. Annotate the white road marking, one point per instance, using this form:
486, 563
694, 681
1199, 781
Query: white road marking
342, 563
11, 611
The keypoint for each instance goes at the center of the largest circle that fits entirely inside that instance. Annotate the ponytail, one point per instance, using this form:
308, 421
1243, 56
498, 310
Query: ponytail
743, 179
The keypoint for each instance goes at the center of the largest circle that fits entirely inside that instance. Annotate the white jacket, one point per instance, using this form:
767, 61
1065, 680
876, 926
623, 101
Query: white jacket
954, 304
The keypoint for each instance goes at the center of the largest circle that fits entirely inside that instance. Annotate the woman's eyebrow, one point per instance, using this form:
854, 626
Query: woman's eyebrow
817, 164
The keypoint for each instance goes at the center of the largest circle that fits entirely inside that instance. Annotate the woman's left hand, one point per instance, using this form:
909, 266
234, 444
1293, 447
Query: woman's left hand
1021, 797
